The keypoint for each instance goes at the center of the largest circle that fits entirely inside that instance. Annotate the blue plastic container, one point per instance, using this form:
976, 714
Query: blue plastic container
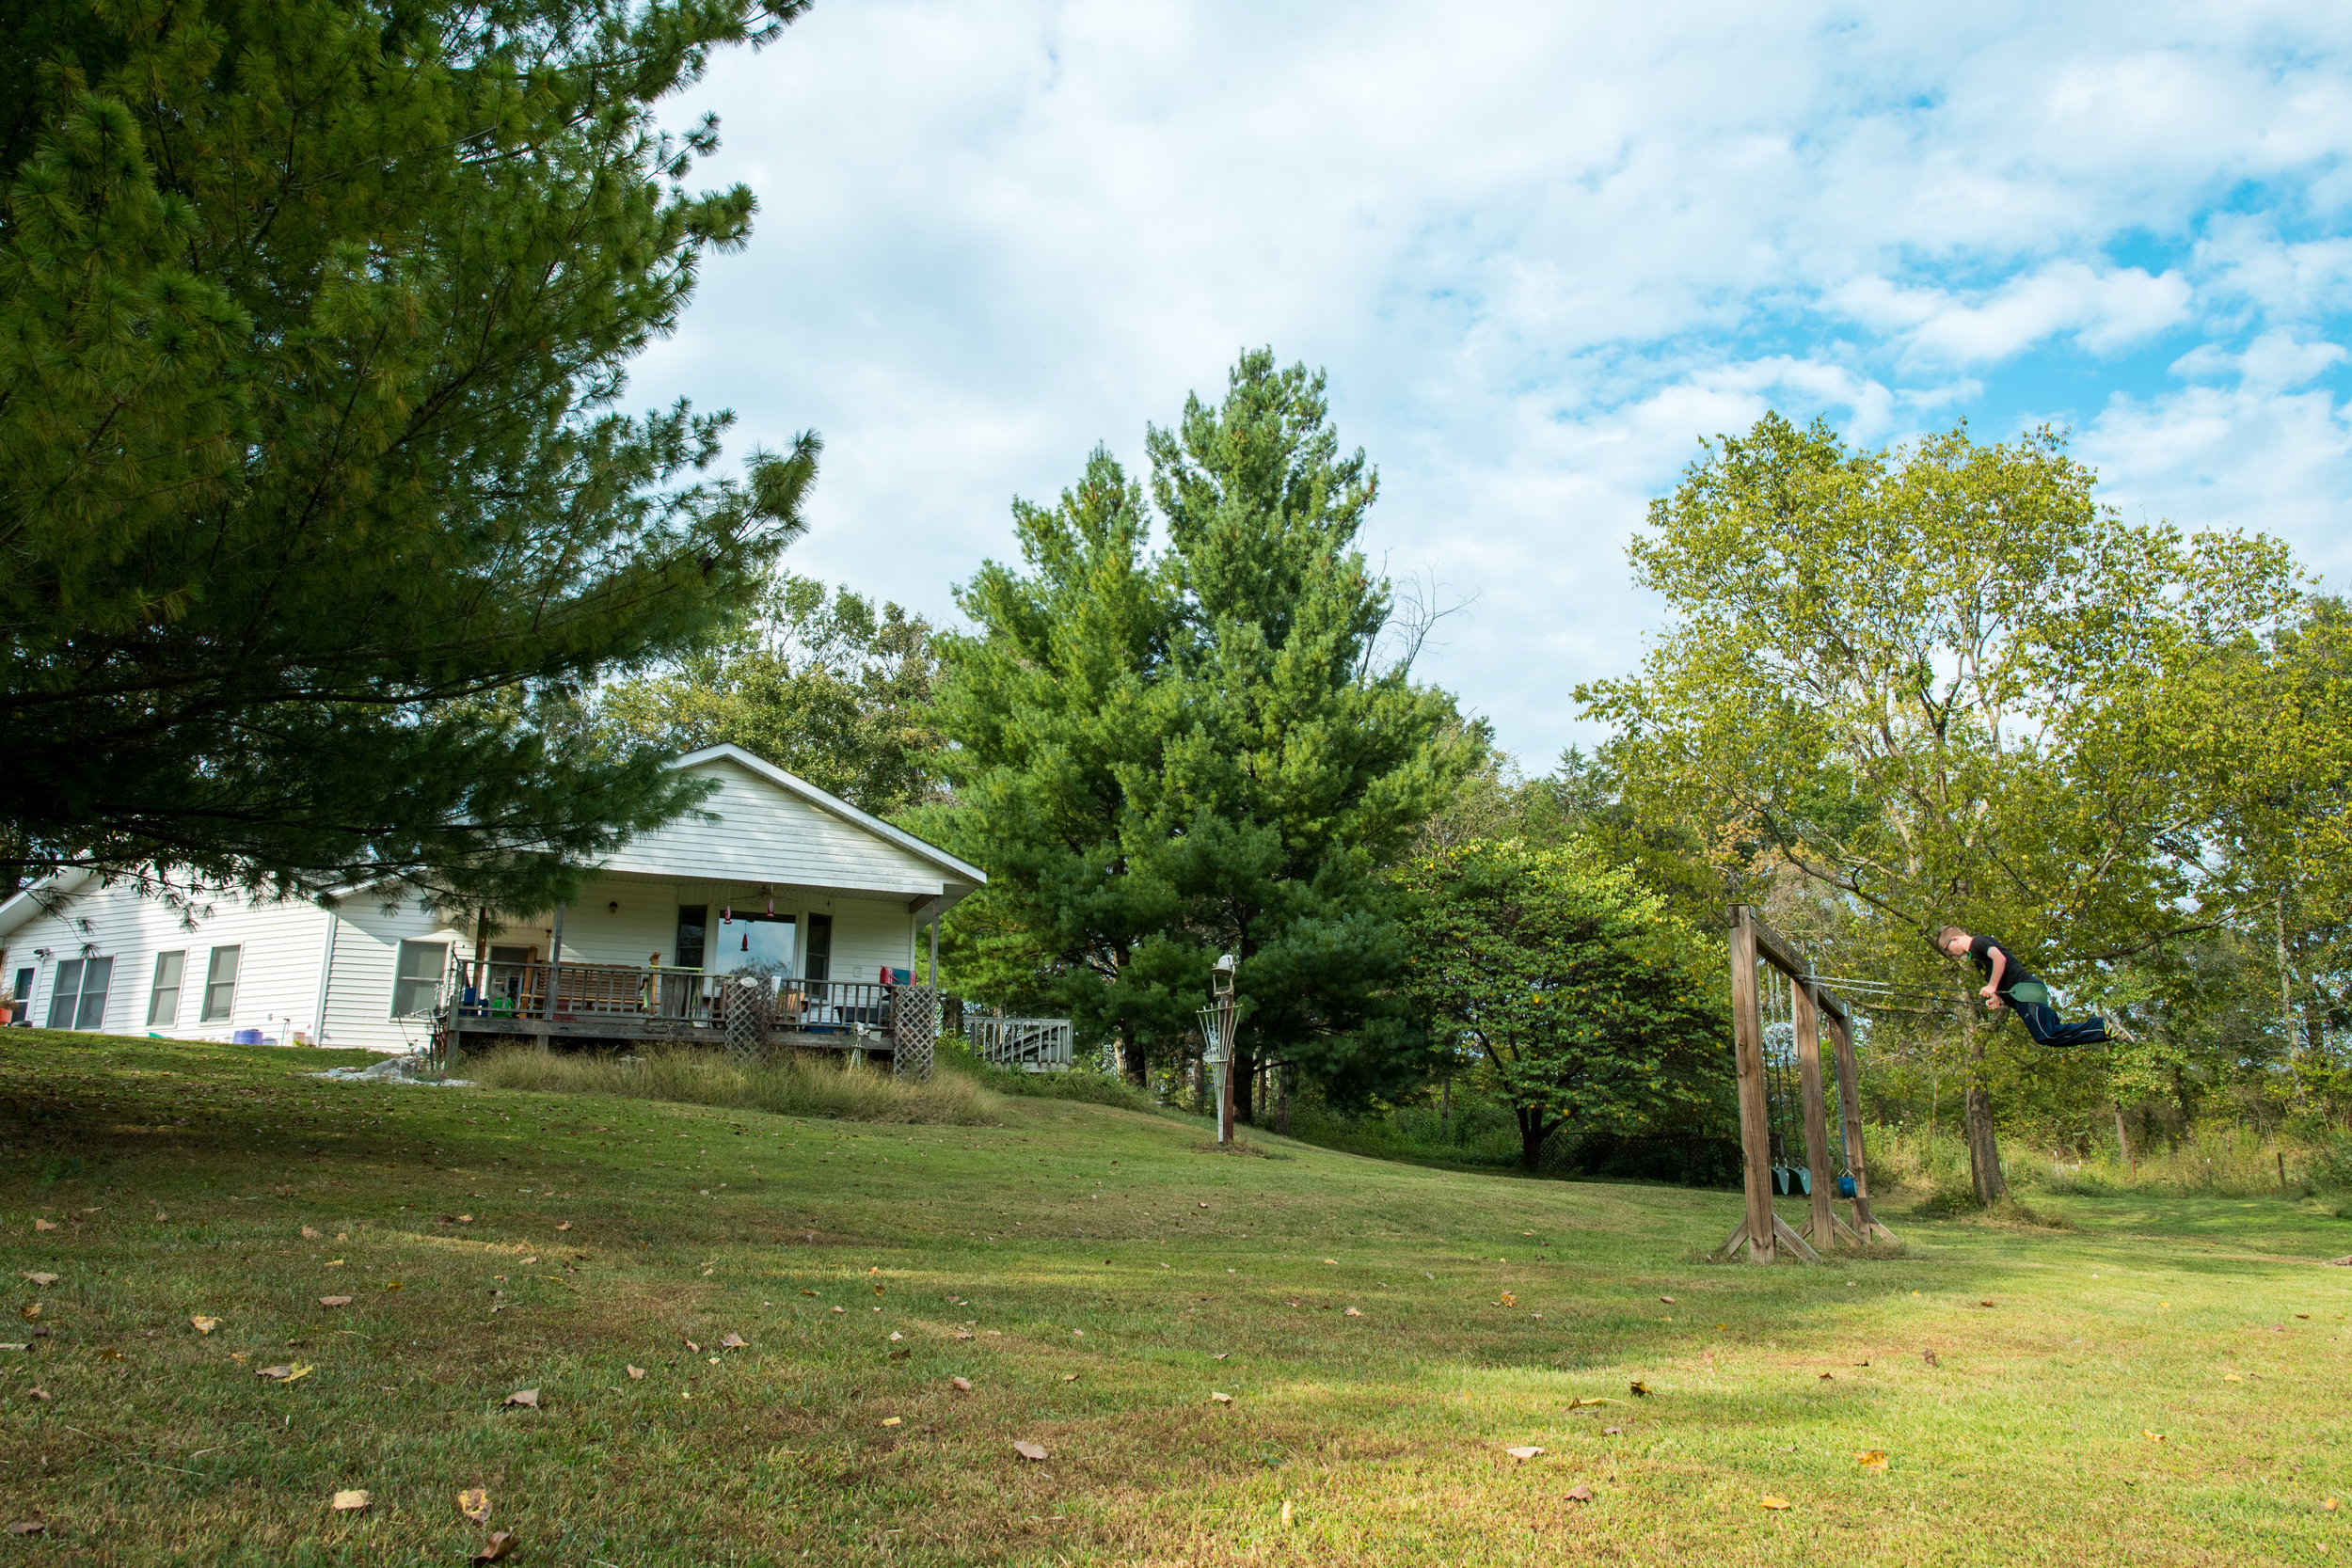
247, 1037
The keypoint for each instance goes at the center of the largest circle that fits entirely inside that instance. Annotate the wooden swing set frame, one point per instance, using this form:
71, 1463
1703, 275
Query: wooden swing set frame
1761, 1229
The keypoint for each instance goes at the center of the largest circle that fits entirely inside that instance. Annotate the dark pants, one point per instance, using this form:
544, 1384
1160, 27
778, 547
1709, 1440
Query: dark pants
2042, 1022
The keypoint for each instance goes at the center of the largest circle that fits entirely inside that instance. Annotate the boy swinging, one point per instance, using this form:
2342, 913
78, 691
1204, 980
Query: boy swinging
2007, 981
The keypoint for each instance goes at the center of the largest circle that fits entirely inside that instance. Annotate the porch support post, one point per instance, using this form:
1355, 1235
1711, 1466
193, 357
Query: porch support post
555, 972
934, 952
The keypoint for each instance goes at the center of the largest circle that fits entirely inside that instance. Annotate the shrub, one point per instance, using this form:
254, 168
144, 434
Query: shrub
789, 1084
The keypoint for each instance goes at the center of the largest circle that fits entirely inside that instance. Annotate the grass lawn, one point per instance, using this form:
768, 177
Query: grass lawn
1385, 1333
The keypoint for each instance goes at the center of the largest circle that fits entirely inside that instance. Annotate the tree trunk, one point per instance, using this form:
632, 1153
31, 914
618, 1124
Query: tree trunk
1282, 1105
1984, 1149
1533, 1131
1245, 1071
1131, 1060
2124, 1143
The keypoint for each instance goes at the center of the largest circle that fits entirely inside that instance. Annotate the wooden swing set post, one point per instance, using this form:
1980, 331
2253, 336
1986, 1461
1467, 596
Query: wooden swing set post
1755, 1127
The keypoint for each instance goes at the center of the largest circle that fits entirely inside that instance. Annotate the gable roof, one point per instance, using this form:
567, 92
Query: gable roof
962, 870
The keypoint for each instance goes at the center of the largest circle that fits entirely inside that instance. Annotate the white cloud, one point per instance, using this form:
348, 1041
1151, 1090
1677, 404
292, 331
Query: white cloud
1541, 249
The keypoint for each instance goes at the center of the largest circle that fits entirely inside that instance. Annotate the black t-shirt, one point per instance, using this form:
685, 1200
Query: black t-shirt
2012, 974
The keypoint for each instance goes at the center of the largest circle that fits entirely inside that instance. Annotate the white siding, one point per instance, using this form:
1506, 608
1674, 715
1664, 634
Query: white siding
767, 835
367, 946
277, 971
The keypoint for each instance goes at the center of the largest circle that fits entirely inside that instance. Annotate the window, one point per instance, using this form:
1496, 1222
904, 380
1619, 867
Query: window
78, 998
417, 977
819, 948
220, 985
23, 990
162, 1000
688, 954
64, 991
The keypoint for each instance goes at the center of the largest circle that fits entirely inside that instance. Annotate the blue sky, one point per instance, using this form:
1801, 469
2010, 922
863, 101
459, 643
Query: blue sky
1541, 249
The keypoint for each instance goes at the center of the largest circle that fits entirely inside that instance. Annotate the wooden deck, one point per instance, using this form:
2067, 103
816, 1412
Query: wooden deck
618, 1004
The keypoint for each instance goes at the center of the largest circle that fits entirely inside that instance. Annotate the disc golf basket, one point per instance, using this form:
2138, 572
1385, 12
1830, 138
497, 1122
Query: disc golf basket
1789, 1144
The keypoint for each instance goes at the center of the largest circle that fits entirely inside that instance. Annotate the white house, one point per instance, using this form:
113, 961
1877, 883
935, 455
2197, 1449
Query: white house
768, 870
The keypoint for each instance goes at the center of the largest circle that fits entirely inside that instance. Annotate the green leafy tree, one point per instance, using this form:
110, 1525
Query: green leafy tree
1594, 1009
313, 479
1165, 756
826, 685
1937, 682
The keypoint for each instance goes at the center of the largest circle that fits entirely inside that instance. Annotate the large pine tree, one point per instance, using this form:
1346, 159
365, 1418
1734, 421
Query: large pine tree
314, 321
1165, 756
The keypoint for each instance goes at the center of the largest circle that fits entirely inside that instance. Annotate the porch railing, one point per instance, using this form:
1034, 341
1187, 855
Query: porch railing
1032, 1044
560, 994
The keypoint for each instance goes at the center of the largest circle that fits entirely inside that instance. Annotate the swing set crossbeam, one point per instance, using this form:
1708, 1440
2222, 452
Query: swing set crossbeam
1757, 950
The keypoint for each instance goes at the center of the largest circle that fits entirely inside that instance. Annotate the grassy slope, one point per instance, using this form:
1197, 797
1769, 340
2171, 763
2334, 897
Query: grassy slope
1384, 1432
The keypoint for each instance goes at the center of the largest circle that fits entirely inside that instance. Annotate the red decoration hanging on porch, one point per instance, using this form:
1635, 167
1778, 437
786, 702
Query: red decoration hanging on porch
726, 915
747, 942
771, 906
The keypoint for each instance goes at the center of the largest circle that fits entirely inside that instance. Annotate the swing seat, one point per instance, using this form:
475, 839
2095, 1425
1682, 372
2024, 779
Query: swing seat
1804, 1181
1845, 1186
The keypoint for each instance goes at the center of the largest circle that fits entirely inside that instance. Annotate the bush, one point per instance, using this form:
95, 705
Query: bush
791, 1085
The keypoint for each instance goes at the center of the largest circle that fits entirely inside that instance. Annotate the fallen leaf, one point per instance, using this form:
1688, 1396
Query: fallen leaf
1220, 1355
526, 1261
1286, 1512
45, 1225
1028, 1450
1611, 1432
1351, 1312
808, 1292
27, 1526
1928, 1357
30, 1312
350, 1501
2330, 1505
391, 1285
695, 1348
1069, 1377
1204, 1206
636, 1373
42, 1278
2232, 1377
733, 1342
1767, 1500
879, 1289
1331, 1260
1984, 1304
309, 1233
895, 1355
465, 1219
1668, 1300
896, 1334
283, 1373
334, 1301
1523, 1454
501, 1542
2152, 1436
203, 1324
43, 1395
474, 1503
527, 1397
961, 1384
1872, 1459
1509, 1300
1222, 1399
1637, 1388
107, 1353
566, 1225
890, 1420
1827, 1377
